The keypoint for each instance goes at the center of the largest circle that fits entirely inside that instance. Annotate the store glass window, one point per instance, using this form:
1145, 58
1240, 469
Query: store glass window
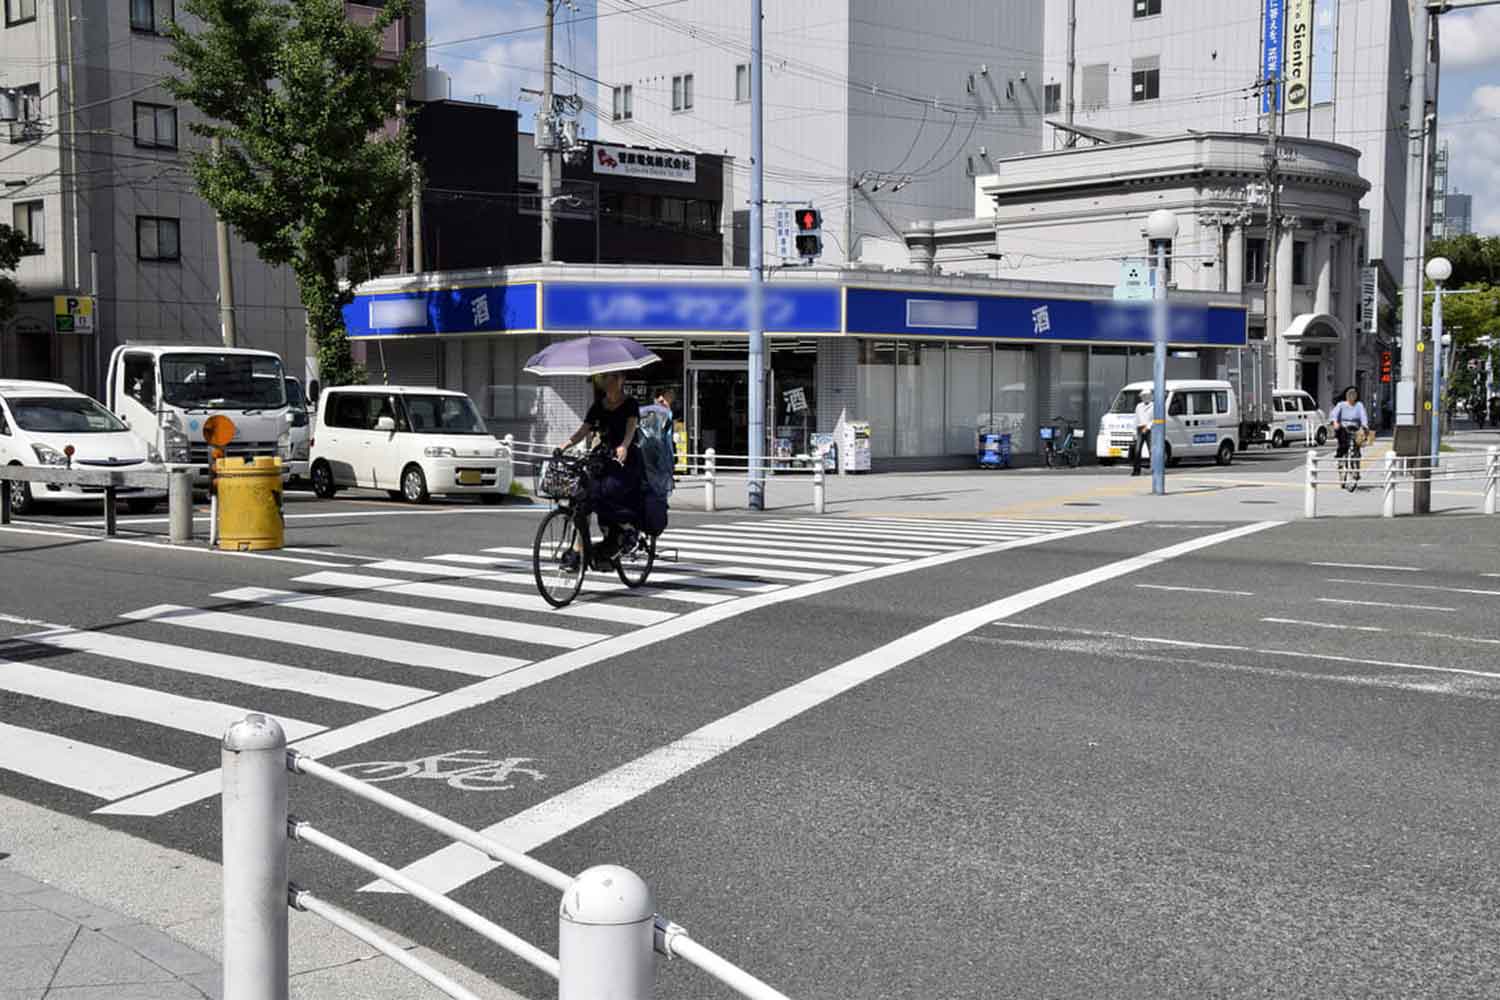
920, 416
1013, 396
968, 396
876, 394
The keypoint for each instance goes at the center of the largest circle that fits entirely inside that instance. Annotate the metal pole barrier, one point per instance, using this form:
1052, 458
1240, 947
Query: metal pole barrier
255, 848
109, 510
710, 487
5, 488
180, 505
606, 934
1388, 501
1492, 473
819, 496
1310, 494
213, 517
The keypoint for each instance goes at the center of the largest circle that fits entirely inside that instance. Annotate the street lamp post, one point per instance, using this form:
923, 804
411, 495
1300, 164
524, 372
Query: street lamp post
1439, 270
1162, 228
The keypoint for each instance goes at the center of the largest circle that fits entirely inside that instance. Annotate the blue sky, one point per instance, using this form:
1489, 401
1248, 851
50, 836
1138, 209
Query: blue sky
495, 68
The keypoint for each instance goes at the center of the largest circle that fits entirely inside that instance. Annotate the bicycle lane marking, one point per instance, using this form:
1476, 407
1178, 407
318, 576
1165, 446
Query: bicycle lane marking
205, 785
458, 864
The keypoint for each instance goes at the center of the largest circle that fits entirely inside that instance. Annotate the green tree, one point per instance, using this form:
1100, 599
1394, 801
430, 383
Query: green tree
309, 172
13, 246
1474, 258
1472, 320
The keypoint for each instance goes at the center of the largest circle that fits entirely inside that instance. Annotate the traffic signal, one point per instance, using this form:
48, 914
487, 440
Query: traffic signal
809, 237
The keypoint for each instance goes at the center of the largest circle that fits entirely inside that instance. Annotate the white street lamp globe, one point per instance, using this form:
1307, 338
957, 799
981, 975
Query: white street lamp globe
1162, 225
1439, 270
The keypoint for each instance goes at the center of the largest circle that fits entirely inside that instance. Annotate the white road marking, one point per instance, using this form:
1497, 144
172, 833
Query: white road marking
458, 864
978, 524
1328, 625
832, 546
1196, 590
239, 669
29, 622
697, 552
1383, 604
580, 610
83, 767
1484, 640
670, 550
206, 785
802, 555
158, 546
426, 512
379, 611
330, 555
914, 546
94, 694
375, 647
1420, 586
898, 529
657, 576
1393, 569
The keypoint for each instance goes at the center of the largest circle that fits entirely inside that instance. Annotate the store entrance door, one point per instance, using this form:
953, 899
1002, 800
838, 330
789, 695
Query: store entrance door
718, 408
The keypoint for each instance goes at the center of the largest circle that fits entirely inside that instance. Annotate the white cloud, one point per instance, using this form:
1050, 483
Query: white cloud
494, 68
1470, 38
1474, 148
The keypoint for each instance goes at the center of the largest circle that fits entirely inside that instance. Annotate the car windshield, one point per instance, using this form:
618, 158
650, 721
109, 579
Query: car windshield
63, 415
444, 415
223, 381
1126, 401
294, 395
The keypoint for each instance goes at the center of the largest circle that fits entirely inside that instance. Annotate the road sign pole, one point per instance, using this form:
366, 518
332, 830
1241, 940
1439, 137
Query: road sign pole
757, 303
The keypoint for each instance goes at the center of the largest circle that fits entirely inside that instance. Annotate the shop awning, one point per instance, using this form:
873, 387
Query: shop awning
1314, 328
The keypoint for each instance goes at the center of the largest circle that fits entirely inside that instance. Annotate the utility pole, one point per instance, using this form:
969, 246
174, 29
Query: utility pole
1273, 233
546, 134
756, 291
226, 273
1071, 139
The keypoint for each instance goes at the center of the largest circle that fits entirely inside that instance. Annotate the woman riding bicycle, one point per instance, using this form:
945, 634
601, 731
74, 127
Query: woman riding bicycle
615, 488
1348, 411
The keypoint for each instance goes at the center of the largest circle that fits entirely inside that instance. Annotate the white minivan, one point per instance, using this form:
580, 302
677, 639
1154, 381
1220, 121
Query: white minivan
40, 421
411, 442
1203, 420
1296, 419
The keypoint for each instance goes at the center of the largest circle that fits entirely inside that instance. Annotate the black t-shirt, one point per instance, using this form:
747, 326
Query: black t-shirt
610, 424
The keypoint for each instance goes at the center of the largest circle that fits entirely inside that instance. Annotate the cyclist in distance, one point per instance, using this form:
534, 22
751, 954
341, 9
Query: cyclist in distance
1348, 411
615, 491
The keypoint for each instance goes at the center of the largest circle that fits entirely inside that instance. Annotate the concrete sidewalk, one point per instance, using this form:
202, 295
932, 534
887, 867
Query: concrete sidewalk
89, 913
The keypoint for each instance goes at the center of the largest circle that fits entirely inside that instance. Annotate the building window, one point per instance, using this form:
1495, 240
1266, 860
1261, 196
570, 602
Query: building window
19, 12
28, 219
1147, 8
155, 126
1299, 263
157, 238
1052, 98
152, 16
624, 103
1255, 261
1094, 87
682, 92
1145, 79
742, 83
28, 124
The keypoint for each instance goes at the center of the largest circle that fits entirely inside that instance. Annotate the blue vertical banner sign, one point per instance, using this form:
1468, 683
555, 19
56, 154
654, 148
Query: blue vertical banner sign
1272, 34
1325, 43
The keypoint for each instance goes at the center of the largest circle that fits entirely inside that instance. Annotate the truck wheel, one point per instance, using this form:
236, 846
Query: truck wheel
1226, 453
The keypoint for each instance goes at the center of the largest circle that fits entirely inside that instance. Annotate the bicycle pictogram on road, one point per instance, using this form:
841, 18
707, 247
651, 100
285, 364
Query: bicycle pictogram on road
465, 770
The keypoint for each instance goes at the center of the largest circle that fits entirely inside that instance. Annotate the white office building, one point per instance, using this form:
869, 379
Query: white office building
878, 113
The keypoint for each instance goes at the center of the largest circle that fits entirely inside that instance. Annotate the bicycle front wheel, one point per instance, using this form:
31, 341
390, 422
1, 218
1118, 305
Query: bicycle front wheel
1075, 457
635, 566
557, 558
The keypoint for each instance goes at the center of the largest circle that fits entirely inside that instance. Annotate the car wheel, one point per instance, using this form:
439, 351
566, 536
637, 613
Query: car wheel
21, 500
1278, 440
322, 480
142, 506
414, 484
1321, 437
1226, 453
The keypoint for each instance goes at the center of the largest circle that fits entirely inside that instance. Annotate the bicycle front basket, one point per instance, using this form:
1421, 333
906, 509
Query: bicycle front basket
557, 481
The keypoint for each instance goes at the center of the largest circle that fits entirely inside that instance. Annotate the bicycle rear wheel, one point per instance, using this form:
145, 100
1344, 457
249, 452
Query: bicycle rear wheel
634, 566
556, 560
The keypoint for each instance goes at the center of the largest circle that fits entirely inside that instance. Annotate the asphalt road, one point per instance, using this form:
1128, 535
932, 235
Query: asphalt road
974, 760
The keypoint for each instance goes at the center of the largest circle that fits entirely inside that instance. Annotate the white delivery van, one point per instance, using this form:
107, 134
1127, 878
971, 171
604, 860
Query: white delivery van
1296, 419
39, 421
1203, 420
165, 393
410, 442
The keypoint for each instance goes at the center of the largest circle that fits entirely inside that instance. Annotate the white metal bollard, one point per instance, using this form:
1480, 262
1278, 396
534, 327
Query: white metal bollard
1310, 495
255, 847
819, 481
180, 505
1492, 474
710, 487
1388, 499
606, 933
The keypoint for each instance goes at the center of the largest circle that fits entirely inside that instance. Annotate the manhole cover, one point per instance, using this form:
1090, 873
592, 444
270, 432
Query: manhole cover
1080, 503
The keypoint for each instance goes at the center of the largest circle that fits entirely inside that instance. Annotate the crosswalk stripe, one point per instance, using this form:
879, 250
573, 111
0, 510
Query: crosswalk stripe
709, 553
375, 647
752, 571
657, 576
839, 549
910, 533
568, 638
600, 586
83, 767
241, 670
493, 628
95, 694
980, 525
809, 555
907, 546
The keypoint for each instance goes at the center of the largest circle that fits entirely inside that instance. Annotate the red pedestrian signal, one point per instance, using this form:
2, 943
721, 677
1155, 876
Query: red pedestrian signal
809, 220
809, 237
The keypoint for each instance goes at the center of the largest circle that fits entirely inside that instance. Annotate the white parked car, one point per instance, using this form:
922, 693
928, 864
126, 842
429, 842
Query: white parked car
411, 442
40, 421
1296, 419
1203, 419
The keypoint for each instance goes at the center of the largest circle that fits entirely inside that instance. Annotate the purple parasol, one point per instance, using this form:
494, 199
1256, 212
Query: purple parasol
591, 356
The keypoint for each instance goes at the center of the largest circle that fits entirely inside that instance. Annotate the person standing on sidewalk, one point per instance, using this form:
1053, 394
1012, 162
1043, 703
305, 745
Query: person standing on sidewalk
1144, 413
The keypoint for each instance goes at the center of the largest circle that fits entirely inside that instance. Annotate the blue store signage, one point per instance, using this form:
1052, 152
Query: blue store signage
897, 313
1273, 35
686, 308
492, 309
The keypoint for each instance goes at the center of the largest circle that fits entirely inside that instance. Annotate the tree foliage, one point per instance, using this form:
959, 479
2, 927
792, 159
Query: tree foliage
1474, 258
310, 172
13, 246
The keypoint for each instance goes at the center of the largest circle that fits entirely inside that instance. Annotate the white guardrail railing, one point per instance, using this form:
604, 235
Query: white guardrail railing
609, 934
708, 468
1325, 470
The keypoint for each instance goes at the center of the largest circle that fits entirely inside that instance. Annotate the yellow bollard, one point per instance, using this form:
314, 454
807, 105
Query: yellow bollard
249, 502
